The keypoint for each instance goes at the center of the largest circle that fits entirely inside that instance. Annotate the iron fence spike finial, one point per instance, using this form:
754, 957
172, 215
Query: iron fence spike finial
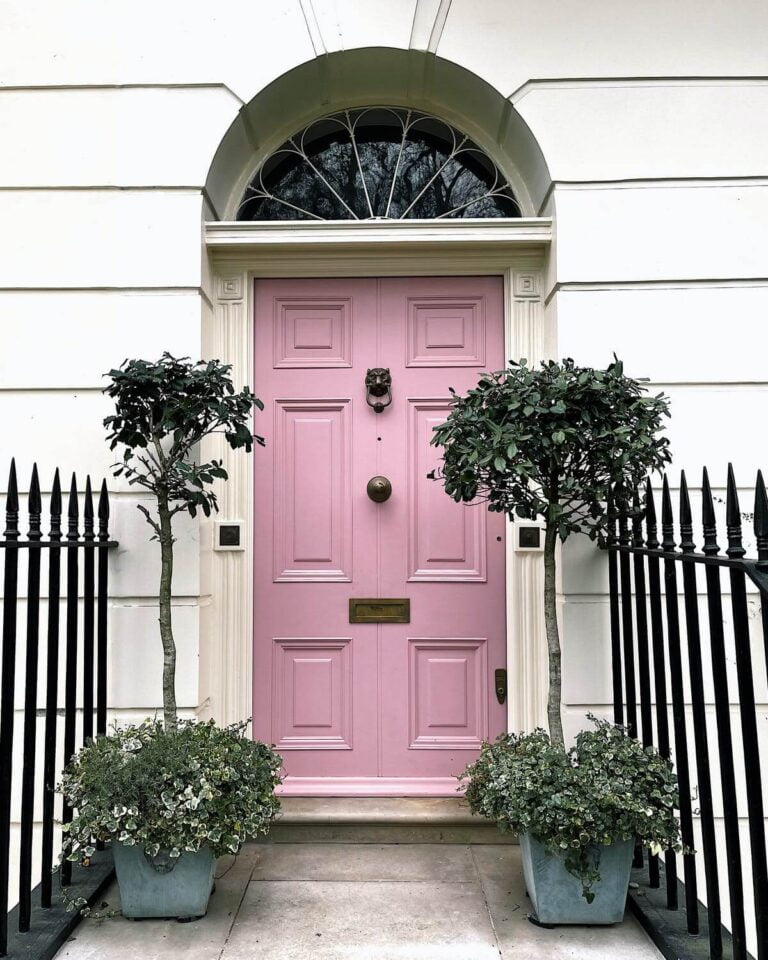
708, 520
35, 502
637, 519
667, 517
686, 517
73, 511
733, 518
707, 503
732, 514
55, 504
650, 516
103, 508
622, 508
73, 507
88, 505
12, 499
761, 518
88, 532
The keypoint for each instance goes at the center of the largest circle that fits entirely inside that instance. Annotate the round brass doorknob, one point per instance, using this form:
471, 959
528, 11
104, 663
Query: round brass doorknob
379, 489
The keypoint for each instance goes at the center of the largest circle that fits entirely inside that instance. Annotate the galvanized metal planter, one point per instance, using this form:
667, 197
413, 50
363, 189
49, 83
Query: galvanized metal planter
556, 895
163, 887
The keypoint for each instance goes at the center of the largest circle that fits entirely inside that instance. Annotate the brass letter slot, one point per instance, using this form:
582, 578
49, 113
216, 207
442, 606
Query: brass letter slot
379, 610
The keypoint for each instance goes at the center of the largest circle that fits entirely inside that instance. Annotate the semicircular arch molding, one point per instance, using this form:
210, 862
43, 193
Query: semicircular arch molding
376, 76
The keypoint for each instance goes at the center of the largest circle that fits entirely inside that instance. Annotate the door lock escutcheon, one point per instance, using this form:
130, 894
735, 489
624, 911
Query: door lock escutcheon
500, 683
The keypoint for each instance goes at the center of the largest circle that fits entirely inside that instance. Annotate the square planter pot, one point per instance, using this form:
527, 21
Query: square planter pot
162, 887
556, 894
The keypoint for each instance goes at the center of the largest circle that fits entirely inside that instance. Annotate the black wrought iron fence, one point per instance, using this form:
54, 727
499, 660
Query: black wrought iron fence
82, 551
656, 630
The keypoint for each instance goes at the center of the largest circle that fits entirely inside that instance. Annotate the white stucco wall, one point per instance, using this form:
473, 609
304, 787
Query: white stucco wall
651, 120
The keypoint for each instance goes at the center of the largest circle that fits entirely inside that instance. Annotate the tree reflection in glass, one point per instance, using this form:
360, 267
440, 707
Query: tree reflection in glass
377, 163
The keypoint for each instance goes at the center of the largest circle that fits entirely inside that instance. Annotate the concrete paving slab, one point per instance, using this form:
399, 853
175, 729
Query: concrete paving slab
501, 876
361, 902
362, 921
349, 861
116, 938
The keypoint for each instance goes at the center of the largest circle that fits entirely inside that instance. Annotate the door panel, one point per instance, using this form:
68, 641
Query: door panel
379, 708
315, 675
453, 568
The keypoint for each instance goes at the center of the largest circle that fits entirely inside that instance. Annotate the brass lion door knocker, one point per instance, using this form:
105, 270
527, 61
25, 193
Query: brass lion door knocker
378, 384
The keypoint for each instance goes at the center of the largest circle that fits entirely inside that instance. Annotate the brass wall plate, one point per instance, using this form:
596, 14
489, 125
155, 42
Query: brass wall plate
379, 610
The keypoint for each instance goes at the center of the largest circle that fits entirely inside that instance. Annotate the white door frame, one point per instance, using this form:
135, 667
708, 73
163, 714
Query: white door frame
237, 253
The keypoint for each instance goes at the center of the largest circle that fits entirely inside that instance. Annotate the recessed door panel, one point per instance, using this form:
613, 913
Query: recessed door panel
445, 541
313, 506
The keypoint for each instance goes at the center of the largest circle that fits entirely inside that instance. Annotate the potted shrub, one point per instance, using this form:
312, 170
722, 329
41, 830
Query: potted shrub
554, 444
172, 796
578, 815
171, 802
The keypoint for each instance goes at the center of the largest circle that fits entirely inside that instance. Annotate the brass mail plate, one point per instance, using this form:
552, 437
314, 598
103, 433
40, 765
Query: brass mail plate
379, 610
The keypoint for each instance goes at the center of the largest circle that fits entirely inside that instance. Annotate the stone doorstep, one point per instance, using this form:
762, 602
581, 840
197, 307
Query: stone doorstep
381, 820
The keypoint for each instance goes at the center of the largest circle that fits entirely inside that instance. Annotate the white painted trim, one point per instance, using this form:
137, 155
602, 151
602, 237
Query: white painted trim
238, 253
250, 235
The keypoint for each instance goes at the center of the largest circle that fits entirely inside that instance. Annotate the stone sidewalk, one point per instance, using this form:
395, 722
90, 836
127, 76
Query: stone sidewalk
354, 901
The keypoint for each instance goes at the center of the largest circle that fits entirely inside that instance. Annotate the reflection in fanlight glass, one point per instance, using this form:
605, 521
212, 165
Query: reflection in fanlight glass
378, 163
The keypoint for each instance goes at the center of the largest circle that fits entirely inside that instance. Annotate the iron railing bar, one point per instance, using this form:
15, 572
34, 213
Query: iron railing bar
10, 585
30, 709
751, 758
662, 718
727, 774
625, 578
678, 708
102, 574
613, 587
70, 681
723, 716
89, 594
699, 717
643, 658
51, 695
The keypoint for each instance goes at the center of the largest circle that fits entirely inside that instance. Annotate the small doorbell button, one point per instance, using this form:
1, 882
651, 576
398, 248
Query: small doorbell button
228, 535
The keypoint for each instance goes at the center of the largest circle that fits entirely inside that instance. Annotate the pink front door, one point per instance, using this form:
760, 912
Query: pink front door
372, 708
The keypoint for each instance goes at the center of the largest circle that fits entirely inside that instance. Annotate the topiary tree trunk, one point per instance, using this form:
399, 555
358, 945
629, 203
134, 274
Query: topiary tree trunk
165, 618
554, 696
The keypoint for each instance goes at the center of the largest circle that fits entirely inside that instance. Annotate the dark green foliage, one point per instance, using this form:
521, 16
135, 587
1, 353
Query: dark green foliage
551, 443
200, 785
163, 409
606, 788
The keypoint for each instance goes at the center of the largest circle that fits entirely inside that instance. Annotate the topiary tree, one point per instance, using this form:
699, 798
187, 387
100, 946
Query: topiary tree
552, 443
163, 409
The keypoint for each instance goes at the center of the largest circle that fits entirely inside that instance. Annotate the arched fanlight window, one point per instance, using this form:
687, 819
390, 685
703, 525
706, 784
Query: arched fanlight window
378, 163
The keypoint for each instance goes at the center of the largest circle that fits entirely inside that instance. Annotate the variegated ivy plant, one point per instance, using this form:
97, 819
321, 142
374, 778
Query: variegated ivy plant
200, 785
607, 787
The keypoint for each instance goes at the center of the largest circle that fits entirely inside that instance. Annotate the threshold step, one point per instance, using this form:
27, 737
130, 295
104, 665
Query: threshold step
381, 820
